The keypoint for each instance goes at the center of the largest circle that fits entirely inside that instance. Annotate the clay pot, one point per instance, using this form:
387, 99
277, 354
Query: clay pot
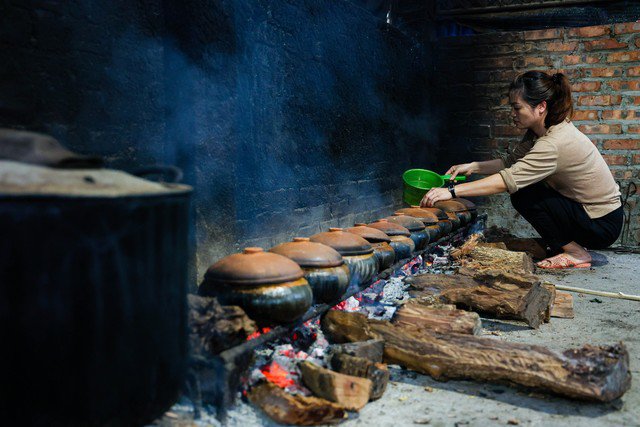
443, 220
401, 241
356, 252
269, 287
418, 234
427, 217
434, 232
471, 207
455, 220
323, 267
457, 208
380, 242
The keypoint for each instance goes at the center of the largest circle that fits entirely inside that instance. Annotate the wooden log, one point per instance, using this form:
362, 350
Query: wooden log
498, 245
443, 320
597, 373
488, 258
563, 306
286, 408
214, 328
348, 391
502, 300
370, 349
466, 248
377, 373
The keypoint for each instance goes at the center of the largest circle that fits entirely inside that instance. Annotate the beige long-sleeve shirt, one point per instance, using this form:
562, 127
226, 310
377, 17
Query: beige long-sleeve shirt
569, 163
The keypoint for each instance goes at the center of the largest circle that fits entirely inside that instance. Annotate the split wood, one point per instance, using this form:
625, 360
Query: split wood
288, 409
597, 373
446, 319
347, 391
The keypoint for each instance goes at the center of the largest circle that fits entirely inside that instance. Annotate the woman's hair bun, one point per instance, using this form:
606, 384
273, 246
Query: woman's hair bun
557, 78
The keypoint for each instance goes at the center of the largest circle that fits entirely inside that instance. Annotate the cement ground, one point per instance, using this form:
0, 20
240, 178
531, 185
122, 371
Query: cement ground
414, 399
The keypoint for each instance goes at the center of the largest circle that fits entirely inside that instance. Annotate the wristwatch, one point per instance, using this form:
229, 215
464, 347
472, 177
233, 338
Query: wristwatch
452, 190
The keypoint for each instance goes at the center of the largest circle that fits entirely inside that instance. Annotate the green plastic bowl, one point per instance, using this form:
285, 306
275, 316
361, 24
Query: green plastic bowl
418, 181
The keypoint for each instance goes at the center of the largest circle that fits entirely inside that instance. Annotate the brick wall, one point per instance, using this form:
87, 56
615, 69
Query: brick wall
603, 64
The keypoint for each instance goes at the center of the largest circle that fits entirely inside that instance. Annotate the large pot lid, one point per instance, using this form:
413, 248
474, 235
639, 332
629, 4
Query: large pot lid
371, 234
309, 254
408, 222
468, 203
253, 267
25, 180
439, 213
344, 242
390, 228
425, 216
450, 206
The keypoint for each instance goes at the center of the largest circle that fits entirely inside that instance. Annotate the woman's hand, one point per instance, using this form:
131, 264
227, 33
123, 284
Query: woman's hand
435, 195
465, 169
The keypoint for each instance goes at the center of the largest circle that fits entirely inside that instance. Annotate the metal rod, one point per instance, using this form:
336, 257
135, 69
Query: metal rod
618, 295
511, 8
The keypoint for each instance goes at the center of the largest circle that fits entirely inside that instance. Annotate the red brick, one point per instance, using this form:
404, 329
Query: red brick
633, 129
586, 86
584, 115
638, 42
604, 44
537, 61
604, 72
620, 114
595, 31
624, 84
592, 59
636, 161
553, 33
621, 144
571, 59
629, 27
633, 71
600, 129
629, 56
599, 100
506, 131
559, 46
615, 159
636, 100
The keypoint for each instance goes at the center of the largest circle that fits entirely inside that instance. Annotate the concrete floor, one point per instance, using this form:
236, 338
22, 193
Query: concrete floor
414, 399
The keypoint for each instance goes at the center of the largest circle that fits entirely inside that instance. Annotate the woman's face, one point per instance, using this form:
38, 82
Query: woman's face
524, 115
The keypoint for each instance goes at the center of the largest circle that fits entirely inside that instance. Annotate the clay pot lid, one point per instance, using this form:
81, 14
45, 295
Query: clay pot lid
450, 206
309, 254
372, 235
390, 228
425, 216
408, 222
253, 267
468, 203
439, 213
344, 242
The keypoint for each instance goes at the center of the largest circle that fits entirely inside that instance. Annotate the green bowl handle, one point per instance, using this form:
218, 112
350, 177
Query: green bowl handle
458, 178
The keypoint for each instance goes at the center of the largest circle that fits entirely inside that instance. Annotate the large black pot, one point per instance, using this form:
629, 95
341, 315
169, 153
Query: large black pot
93, 271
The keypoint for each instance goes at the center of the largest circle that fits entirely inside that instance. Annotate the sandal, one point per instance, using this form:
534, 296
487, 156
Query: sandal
561, 262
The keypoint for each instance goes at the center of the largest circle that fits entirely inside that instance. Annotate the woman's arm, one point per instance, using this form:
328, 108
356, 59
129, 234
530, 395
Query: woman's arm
483, 168
490, 185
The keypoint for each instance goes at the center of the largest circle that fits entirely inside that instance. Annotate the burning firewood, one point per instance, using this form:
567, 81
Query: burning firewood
598, 373
286, 408
348, 391
467, 247
415, 314
502, 300
363, 368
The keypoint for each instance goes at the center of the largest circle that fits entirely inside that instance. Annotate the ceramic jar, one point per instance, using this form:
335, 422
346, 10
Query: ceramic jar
471, 207
428, 218
418, 233
401, 241
380, 242
456, 208
356, 252
443, 220
269, 287
323, 267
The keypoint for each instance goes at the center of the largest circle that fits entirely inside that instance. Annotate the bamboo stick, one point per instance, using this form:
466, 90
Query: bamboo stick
618, 295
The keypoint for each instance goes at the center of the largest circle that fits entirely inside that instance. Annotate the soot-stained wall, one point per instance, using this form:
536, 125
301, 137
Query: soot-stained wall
287, 117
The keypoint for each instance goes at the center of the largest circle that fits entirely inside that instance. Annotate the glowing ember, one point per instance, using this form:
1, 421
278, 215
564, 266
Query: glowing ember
256, 334
274, 373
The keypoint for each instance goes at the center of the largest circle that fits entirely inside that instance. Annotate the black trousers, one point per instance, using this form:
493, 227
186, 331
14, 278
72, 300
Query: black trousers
560, 220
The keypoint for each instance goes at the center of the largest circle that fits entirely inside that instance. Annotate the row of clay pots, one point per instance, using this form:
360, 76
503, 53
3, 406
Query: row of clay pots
279, 286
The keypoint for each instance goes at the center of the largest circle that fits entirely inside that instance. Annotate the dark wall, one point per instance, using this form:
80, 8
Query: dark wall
287, 117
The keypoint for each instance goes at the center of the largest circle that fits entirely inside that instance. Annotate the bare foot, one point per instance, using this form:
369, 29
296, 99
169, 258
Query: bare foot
574, 256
